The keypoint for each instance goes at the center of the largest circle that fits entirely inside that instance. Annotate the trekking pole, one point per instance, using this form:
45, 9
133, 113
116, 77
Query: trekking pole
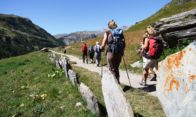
101, 68
126, 70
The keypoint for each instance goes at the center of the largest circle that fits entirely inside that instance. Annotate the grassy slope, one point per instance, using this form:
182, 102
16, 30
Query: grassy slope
24, 77
142, 103
134, 34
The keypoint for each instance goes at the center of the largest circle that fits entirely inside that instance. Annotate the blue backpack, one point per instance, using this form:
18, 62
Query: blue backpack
116, 43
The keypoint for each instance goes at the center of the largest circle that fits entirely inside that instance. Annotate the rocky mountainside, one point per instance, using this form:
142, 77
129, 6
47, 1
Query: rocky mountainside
78, 36
20, 35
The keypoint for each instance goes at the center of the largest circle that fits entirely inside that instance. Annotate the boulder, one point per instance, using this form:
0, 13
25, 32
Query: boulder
176, 85
115, 101
64, 63
44, 50
180, 26
52, 57
73, 78
90, 99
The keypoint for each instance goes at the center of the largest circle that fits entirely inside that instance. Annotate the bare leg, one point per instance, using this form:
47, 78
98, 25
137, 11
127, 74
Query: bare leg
145, 75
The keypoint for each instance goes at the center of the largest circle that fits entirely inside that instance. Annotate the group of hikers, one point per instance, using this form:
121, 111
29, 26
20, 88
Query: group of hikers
91, 51
150, 50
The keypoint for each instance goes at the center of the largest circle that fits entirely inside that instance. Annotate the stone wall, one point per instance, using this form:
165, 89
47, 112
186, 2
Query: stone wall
116, 103
176, 86
61, 61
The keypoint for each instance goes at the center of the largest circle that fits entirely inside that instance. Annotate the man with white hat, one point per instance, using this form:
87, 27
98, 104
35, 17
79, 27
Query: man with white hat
97, 53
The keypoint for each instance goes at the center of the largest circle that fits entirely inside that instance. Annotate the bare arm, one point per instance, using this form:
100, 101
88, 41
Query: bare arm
145, 45
104, 40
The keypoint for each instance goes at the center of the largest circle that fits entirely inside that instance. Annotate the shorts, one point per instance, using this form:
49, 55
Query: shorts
150, 63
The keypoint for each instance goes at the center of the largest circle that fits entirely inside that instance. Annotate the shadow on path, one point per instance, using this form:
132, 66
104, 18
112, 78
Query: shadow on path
149, 88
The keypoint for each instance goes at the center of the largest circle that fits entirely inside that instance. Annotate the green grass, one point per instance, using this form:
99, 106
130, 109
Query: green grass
142, 103
29, 88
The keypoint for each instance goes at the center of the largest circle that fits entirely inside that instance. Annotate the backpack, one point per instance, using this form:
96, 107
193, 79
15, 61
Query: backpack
84, 48
91, 49
97, 49
155, 48
116, 43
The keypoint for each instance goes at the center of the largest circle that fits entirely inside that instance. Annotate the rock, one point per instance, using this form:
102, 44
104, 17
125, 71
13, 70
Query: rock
78, 104
115, 101
176, 35
180, 26
57, 64
137, 64
52, 57
176, 85
22, 105
73, 78
43, 96
44, 50
90, 99
64, 64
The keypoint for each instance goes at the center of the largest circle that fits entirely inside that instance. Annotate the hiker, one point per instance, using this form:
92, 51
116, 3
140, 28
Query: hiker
64, 51
84, 53
151, 51
115, 41
97, 50
91, 53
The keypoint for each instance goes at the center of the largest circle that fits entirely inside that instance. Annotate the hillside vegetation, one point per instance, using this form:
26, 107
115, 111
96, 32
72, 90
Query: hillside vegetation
31, 87
19, 35
135, 33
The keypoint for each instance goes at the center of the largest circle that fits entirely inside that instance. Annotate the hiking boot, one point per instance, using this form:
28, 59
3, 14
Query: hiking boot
143, 84
154, 78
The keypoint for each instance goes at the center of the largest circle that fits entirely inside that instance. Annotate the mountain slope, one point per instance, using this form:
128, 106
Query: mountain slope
19, 35
174, 7
71, 38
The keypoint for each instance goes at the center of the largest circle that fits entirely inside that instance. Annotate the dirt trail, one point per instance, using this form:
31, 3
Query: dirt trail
135, 79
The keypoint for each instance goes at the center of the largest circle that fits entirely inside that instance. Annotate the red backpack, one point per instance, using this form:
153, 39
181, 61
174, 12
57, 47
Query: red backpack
84, 48
155, 48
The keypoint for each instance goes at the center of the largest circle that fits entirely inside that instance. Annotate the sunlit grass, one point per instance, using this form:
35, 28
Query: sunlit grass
30, 88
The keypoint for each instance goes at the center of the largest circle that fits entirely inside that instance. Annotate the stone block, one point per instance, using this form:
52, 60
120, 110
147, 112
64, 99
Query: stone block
176, 85
115, 101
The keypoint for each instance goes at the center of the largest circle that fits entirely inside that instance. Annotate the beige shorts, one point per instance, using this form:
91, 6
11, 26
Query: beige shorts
150, 64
